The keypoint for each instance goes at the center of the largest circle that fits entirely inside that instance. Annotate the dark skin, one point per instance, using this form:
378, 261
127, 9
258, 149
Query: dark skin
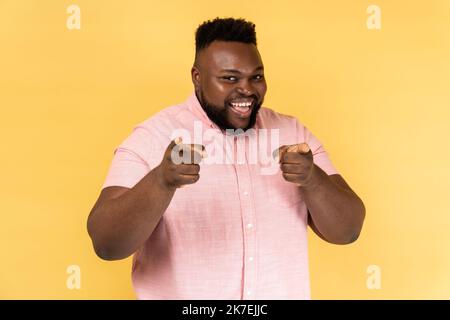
122, 219
335, 212
226, 71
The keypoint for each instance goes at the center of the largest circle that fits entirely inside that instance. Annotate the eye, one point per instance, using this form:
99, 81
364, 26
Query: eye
258, 77
230, 78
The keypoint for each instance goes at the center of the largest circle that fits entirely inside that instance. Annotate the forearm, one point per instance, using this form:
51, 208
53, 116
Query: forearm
338, 213
121, 225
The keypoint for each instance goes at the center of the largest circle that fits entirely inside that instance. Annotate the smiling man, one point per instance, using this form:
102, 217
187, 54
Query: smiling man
217, 72
232, 233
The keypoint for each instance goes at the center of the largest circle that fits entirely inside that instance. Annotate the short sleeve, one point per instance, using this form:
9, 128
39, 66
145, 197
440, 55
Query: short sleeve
130, 161
320, 155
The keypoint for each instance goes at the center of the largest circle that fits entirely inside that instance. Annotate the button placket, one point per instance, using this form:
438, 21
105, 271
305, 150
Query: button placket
247, 206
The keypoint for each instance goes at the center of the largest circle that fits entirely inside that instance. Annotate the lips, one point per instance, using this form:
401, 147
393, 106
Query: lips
241, 108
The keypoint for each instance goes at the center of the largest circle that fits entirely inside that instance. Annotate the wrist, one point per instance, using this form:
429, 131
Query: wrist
316, 178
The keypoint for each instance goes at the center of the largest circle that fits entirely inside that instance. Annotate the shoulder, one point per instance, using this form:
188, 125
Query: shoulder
165, 119
155, 131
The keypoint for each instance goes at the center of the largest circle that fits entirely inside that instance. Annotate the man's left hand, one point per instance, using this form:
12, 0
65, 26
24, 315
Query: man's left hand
296, 163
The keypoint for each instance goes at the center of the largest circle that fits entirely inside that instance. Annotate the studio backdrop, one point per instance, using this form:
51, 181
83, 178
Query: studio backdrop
371, 79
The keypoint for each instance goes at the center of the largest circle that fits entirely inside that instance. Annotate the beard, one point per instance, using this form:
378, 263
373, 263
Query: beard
218, 114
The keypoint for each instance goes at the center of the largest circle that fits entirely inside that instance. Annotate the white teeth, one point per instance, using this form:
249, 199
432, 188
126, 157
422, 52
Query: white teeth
241, 104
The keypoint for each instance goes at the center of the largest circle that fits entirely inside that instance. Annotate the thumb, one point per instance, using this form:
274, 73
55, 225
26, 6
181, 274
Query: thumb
303, 148
300, 148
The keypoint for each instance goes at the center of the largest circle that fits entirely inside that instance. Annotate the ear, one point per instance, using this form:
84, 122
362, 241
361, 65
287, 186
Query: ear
195, 74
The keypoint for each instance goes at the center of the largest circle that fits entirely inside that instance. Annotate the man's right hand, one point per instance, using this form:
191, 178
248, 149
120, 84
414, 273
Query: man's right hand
180, 164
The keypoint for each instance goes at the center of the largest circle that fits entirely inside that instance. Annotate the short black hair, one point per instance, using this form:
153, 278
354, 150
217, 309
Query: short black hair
224, 29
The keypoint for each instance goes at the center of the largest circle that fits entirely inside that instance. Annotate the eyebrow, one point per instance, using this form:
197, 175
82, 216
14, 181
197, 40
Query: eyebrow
239, 72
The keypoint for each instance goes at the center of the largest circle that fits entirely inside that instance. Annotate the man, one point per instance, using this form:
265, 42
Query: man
230, 228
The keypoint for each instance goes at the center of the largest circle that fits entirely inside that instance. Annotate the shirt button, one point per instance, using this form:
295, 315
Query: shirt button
245, 193
249, 293
250, 226
250, 258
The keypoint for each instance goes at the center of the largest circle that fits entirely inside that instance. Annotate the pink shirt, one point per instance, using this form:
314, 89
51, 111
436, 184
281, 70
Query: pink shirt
240, 232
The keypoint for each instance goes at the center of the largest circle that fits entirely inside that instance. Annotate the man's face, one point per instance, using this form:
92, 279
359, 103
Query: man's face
229, 83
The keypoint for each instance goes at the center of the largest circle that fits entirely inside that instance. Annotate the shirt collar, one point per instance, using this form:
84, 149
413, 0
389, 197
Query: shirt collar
195, 107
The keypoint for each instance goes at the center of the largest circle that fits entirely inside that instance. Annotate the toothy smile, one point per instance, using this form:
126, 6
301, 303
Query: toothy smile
242, 108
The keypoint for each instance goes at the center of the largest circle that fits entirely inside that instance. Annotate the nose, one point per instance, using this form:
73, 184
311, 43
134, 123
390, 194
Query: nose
245, 89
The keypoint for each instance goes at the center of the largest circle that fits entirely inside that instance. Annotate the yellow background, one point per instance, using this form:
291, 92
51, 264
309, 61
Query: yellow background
378, 99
